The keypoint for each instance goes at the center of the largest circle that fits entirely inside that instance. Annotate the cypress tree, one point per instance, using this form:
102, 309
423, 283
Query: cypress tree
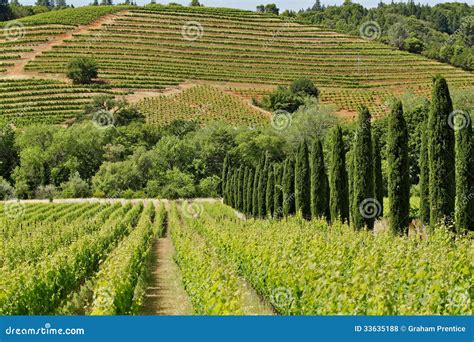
228, 186
339, 186
248, 207
464, 177
288, 188
365, 208
398, 168
256, 180
378, 178
270, 188
231, 187
278, 192
235, 188
262, 187
441, 154
350, 179
225, 165
319, 182
244, 190
302, 182
238, 189
424, 176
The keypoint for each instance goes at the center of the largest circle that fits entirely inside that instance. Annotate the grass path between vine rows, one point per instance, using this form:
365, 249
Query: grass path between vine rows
165, 294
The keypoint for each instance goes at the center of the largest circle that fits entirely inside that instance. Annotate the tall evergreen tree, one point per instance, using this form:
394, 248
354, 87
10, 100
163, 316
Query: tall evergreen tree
424, 176
464, 177
302, 182
249, 202
363, 188
256, 181
378, 178
288, 188
441, 154
398, 170
228, 186
238, 188
319, 182
244, 189
262, 188
235, 187
225, 166
350, 178
278, 192
339, 186
270, 188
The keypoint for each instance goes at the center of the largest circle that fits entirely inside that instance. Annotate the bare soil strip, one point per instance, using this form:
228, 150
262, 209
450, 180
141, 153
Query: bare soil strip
254, 304
165, 294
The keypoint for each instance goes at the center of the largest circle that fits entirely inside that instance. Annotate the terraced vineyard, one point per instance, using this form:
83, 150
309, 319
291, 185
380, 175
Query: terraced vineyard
152, 48
19, 39
16, 40
202, 103
242, 52
27, 101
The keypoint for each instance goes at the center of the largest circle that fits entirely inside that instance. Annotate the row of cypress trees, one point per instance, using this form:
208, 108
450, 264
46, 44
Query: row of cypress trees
446, 164
299, 185
302, 185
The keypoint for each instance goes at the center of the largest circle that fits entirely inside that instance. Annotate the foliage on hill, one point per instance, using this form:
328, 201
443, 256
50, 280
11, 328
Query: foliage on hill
443, 32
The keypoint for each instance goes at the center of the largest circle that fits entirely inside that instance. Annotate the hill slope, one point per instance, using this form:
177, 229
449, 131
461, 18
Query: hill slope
157, 47
162, 46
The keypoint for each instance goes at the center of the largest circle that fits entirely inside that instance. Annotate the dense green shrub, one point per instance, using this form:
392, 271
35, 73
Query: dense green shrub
82, 70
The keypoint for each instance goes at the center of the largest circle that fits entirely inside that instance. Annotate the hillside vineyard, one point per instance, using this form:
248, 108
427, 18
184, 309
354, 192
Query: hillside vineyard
190, 160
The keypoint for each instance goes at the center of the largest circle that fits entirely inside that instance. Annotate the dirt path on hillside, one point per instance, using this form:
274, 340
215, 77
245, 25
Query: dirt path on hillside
138, 95
18, 70
165, 294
